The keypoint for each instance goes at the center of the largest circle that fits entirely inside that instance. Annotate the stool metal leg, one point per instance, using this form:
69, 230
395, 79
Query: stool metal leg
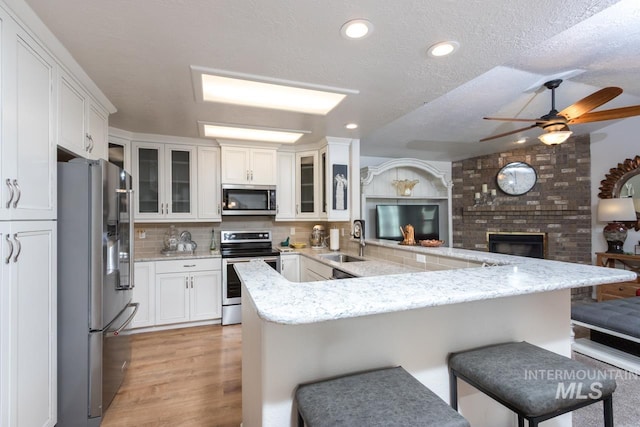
453, 389
520, 421
300, 420
608, 411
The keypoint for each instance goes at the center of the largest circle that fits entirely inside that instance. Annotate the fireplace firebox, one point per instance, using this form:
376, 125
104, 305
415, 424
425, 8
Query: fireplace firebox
533, 245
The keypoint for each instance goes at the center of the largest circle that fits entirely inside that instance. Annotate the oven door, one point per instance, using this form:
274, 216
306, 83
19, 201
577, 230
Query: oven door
231, 282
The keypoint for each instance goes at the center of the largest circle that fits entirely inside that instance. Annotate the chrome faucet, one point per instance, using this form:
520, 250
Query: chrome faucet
358, 233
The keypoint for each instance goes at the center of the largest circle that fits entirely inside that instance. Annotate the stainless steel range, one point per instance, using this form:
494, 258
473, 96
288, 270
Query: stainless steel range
236, 247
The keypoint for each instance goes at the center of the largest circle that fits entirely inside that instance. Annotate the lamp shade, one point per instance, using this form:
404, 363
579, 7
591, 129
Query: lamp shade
611, 210
555, 137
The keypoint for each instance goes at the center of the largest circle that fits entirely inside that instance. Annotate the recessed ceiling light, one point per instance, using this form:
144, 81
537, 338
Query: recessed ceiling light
250, 133
443, 48
356, 29
351, 126
264, 92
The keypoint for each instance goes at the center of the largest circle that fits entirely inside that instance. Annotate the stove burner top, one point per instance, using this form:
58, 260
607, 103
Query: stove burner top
240, 244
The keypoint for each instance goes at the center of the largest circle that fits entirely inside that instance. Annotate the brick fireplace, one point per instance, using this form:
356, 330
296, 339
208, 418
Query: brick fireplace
559, 205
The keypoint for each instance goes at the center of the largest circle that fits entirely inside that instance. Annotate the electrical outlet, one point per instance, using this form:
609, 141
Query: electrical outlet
292, 231
142, 234
421, 258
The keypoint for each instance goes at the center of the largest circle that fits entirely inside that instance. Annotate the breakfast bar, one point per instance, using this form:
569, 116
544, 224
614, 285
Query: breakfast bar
301, 332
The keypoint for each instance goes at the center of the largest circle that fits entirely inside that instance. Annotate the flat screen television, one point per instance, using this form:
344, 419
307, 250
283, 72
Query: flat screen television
423, 218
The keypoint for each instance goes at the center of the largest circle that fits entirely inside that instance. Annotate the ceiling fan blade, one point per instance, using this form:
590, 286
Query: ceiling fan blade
508, 133
592, 101
612, 114
511, 119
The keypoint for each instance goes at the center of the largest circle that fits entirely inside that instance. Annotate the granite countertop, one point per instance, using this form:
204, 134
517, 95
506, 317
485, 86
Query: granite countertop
367, 268
503, 276
186, 255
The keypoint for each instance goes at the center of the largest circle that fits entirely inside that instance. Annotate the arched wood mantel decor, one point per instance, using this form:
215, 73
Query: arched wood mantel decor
373, 171
434, 187
611, 186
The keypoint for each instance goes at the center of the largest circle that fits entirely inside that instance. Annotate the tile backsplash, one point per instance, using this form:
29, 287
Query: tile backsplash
153, 242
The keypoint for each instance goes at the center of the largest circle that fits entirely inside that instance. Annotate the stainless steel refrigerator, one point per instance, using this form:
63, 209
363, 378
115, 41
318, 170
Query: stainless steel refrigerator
95, 282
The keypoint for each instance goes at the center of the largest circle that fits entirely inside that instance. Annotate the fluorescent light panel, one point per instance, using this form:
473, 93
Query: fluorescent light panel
268, 95
251, 134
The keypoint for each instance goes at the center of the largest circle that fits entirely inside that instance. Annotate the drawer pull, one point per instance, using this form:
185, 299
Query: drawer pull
189, 265
621, 288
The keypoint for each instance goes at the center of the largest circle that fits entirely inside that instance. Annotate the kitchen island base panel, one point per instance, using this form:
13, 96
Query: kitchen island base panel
276, 358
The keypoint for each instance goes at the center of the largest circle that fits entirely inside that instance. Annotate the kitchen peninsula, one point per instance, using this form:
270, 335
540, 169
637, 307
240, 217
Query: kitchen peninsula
300, 332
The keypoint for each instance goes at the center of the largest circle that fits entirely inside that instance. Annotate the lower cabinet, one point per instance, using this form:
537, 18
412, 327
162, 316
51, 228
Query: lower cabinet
144, 293
313, 271
290, 267
28, 336
177, 291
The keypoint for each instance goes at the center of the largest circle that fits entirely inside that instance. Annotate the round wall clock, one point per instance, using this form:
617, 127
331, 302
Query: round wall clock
516, 178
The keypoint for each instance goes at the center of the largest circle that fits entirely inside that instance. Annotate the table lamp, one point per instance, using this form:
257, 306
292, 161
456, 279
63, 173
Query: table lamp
615, 211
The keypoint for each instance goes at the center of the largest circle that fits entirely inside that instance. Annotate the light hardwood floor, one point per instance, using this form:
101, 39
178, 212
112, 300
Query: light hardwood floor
182, 377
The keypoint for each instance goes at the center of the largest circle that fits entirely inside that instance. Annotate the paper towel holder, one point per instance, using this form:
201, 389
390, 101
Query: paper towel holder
334, 239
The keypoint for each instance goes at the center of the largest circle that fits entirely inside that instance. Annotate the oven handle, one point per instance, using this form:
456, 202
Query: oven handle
227, 261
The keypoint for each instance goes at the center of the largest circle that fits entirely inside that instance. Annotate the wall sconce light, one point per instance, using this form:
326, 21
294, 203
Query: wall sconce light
615, 212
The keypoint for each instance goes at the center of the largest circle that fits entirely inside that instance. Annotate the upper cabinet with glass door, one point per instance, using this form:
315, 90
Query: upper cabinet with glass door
164, 181
307, 189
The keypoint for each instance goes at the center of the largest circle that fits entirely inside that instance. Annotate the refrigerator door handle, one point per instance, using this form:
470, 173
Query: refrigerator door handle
135, 306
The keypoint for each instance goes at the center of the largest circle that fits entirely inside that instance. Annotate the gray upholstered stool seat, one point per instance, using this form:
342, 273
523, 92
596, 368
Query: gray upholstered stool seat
384, 397
535, 383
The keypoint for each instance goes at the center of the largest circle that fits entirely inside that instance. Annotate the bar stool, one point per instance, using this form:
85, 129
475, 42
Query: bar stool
535, 383
382, 397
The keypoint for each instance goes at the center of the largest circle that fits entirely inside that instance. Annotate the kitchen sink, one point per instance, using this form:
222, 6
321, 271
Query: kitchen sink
341, 258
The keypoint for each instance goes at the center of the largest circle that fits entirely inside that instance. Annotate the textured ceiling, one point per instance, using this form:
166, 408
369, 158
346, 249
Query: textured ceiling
139, 53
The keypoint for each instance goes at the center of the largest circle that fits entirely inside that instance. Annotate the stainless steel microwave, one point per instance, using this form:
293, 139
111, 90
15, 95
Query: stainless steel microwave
248, 199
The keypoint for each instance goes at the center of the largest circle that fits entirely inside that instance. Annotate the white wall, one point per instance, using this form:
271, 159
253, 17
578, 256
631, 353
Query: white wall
610, 146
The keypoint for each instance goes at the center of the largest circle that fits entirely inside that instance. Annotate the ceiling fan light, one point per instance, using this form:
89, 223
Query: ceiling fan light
555, 138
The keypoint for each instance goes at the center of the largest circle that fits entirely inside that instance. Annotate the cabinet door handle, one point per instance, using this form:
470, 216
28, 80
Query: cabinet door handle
247, 174
90, 145
8, 182
15, 238
277, 209
192, 282
15, 184
251, 175
8, 258
218, 208
186, 282
297, 209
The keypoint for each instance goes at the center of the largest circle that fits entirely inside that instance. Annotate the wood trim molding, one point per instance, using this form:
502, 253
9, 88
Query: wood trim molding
370, 172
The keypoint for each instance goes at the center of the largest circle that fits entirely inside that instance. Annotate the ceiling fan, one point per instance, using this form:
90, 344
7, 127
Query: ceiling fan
555, 123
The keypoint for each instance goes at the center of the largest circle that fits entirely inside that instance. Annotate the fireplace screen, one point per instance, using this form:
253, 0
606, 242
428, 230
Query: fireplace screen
531, 245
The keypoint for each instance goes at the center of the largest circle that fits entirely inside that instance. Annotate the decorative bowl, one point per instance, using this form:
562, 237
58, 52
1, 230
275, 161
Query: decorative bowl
298, 245
431, 243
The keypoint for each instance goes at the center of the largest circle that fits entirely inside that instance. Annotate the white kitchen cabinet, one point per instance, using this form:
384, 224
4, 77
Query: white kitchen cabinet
245, 165
82, 124
144, 293
307, 185
164, 181
312, 271
209, 189
188, 290
286, 187
334, 176
290, 266
28, 149
28, 336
